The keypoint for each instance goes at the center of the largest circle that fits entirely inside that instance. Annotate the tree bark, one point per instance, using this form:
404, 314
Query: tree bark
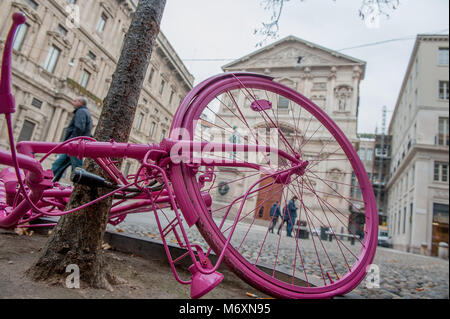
78, 237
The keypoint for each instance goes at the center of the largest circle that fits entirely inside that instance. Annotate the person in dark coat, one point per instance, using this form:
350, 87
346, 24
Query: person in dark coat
285, 218
261, 212
292, 216
80, 125
289, 216
274, 214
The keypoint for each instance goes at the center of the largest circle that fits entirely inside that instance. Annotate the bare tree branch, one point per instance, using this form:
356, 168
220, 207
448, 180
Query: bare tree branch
377, 7
370, 9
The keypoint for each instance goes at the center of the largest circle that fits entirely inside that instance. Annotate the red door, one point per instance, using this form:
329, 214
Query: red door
266, 198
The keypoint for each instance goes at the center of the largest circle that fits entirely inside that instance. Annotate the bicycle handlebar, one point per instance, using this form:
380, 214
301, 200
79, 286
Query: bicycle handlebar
25, 162
6, 98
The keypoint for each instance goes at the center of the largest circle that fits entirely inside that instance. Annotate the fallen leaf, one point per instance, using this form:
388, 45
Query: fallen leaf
120, 230
106, 246
20, 231
251, 295
420, 289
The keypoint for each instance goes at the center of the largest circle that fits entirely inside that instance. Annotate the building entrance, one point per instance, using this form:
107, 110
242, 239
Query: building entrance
440, 227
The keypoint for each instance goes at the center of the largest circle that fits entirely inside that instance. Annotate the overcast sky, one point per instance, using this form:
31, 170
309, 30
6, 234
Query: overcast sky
223, 29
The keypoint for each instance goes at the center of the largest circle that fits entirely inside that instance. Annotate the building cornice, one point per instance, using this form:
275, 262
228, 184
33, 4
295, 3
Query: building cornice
175, 60
413, 151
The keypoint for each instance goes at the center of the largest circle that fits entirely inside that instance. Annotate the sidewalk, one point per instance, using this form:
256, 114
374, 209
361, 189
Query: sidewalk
145, 279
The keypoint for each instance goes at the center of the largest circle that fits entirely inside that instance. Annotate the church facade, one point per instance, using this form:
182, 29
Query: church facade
329, 79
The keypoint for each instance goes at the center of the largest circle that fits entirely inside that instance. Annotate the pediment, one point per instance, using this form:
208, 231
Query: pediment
287, 53
30, 13
91, 64
57, 37
107, 8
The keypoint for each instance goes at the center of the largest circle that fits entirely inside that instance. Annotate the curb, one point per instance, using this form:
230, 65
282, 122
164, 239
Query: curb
148, 248
154, 250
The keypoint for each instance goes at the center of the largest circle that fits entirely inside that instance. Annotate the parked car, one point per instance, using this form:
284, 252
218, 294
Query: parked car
383, 237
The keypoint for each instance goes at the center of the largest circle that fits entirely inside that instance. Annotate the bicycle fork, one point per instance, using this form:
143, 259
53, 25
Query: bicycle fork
203, 276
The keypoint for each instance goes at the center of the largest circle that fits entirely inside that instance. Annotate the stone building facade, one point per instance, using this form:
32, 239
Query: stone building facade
55, 61
331, 80
418, 187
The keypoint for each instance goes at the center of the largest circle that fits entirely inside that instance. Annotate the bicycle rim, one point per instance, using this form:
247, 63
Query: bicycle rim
333, 191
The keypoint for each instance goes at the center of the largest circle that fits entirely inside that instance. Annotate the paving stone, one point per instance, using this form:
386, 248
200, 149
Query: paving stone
401, 274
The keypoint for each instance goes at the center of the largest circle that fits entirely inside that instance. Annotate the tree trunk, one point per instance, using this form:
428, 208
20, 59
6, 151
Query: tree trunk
78, 237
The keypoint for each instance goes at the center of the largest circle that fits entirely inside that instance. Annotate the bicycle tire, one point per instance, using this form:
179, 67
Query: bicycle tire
186, 187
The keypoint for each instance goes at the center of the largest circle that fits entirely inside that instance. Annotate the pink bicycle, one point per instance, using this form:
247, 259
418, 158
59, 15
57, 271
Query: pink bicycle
242, 148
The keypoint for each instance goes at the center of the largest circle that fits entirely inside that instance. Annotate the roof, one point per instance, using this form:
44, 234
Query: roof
292, 38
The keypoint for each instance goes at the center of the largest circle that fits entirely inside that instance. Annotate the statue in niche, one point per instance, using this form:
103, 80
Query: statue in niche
335, 175
342, 103
343, 94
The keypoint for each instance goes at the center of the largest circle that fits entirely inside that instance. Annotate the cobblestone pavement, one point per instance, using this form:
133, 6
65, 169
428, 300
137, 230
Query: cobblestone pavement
401, 275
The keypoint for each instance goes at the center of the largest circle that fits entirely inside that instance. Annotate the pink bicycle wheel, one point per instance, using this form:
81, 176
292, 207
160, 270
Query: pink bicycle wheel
333, 219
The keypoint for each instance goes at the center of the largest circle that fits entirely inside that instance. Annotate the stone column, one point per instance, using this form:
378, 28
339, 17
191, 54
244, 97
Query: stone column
307, 82
330, 93
61, 125
356, 78
53, 128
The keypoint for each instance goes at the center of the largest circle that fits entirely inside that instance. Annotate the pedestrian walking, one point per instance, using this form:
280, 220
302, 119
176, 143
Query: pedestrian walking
80, 125
292, 209
261, 212
274, 214
285, 218
289, 216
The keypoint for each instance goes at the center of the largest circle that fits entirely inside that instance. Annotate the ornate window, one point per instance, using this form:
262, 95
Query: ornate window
152, 129
443, 56
101, 23
27, 131
161, 87
443, 90
283, 103
20, 36
140, 119
440, 172
32, 4
443, 137
84, 79
52, 59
